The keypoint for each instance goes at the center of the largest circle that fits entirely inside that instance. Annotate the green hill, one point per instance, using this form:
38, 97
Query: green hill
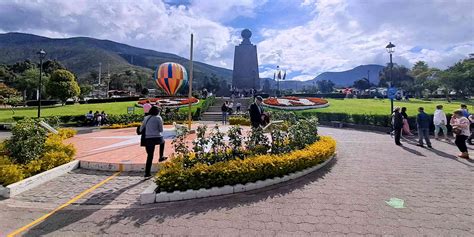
83, 55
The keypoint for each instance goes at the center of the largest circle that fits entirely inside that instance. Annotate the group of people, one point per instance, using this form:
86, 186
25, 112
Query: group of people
461, 121
227, 109
96, 119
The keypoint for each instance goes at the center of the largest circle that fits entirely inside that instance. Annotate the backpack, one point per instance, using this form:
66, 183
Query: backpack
224, 108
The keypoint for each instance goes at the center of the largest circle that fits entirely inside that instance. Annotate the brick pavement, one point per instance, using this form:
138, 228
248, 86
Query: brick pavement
346, 198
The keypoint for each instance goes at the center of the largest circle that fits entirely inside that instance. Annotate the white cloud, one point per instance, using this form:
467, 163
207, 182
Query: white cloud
340, 34
344, 34
223, 11
145, 23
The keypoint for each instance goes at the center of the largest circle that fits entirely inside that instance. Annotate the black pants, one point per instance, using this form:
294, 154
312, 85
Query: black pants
398, 134
150, 151
461, 143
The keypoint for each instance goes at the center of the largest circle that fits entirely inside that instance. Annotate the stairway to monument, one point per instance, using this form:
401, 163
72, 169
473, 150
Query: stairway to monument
214, 113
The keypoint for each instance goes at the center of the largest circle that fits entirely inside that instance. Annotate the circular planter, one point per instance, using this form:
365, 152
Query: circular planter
295, 103
150, 196
173, 102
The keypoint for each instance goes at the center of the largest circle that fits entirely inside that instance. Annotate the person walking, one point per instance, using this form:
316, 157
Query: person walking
237, 107
406, 126
423, 125
151, 131
397, 123
469, 139
256, 112
146, 107
440, 122
225, 111
460, 126
465, 111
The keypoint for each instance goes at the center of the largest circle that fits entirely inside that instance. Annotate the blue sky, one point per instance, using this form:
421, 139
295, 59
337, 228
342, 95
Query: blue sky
305, 37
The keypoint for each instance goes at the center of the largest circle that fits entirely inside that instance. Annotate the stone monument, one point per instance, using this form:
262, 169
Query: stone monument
245, 74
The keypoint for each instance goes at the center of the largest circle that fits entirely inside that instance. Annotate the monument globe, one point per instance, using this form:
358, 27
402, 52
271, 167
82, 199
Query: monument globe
245, 75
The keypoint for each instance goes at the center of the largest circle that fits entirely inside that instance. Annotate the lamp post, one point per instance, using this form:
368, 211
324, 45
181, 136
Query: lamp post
278, 75
390, 49
42, 55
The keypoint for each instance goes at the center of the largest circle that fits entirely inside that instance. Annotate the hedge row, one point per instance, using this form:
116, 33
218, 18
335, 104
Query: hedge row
172, 176
364, 119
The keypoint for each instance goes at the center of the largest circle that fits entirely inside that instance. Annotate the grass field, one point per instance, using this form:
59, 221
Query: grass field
79, 109
351, 106
373, 106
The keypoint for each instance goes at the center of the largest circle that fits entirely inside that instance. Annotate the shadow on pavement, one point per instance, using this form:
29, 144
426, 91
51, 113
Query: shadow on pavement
69, 215
440, 153
452, 157
415, 152
161, 211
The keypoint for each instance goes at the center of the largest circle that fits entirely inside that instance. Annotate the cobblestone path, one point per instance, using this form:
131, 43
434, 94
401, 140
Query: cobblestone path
348, 197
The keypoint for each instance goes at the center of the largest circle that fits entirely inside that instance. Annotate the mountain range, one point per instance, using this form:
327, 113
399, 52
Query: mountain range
83, 55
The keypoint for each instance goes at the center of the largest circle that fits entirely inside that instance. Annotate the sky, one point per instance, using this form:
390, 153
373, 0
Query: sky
303, 37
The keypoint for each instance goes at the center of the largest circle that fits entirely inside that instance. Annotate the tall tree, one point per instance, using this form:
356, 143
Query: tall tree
459, 78
424, 78
362, 84
62, 85
400, 77
325, 86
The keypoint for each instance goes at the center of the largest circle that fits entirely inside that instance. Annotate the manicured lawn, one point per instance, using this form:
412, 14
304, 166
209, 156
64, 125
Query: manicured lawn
372, 106
79, 109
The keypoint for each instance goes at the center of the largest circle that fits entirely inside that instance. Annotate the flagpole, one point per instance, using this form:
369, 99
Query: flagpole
190, 94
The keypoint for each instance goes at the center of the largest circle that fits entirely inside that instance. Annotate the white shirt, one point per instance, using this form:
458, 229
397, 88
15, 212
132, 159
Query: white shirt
439, 117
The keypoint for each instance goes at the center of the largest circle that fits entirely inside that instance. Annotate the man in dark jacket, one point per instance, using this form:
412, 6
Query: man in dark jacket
397, 122
256, 112
423, 124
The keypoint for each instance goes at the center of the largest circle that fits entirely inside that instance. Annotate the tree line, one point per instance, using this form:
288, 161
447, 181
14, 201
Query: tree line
419, 81
19, 82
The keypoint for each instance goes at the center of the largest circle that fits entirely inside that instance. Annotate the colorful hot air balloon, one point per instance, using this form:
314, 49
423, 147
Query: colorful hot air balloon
171, 77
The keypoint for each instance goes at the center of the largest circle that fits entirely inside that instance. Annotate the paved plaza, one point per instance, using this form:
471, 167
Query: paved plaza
347, 197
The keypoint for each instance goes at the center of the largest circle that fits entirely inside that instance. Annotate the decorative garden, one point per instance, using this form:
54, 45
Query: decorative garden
173, 102
216, 159
295, 103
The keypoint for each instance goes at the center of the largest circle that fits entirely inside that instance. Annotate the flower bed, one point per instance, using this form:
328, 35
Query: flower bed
169, 102
215, 160
295, 103
172, 176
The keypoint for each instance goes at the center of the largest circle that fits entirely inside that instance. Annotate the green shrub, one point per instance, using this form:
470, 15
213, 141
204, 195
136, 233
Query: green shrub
237, 120
26, 142
54, 153
283, 115
10, 174
303, 132
172, 176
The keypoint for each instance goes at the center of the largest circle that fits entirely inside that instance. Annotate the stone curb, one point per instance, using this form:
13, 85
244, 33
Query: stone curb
92, 165
146, 197
33, 181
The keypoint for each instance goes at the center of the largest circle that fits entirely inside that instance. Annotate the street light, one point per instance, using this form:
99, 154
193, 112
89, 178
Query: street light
42, 55
390, 49
277, 77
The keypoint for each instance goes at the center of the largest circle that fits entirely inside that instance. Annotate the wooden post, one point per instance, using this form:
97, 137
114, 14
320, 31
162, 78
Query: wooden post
190, 94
